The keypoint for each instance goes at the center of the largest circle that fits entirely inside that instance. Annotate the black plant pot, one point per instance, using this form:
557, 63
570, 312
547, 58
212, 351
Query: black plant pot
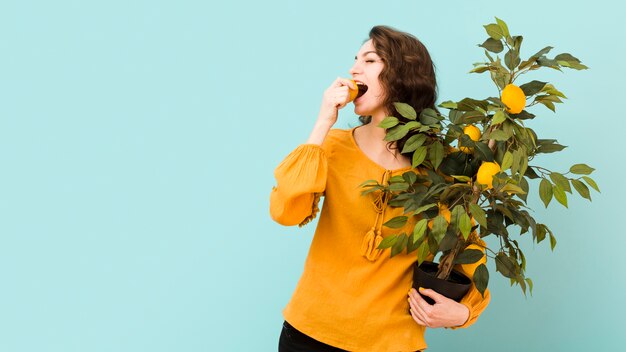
454, 288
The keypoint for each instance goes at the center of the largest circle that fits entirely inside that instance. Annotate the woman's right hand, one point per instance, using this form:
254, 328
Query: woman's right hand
335, 97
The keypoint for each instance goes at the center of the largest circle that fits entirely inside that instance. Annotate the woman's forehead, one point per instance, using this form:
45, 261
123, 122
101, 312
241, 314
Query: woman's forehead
367, 47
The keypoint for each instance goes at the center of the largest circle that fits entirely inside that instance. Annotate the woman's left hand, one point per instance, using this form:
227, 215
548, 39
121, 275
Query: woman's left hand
444, 313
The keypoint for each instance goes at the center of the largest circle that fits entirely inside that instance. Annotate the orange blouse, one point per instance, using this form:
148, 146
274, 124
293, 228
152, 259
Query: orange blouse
350, 295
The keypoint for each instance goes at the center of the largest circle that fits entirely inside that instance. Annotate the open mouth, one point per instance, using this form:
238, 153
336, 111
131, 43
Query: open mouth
362, 89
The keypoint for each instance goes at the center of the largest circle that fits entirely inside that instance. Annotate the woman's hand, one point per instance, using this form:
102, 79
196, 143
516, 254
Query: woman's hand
444, 313
335, 97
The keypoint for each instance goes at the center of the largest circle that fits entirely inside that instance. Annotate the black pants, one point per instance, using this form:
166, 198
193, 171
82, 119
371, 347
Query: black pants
292, 340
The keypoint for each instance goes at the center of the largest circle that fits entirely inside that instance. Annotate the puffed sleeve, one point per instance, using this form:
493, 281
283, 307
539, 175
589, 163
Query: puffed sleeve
300, 182
473, 300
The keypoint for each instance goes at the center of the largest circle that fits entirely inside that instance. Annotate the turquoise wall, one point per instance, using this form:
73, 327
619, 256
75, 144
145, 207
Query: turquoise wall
138, 141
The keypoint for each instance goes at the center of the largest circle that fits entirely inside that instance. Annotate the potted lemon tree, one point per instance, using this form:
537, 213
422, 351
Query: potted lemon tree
476, 170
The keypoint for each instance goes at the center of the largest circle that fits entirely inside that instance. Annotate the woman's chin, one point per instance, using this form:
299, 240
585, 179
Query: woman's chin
360, 111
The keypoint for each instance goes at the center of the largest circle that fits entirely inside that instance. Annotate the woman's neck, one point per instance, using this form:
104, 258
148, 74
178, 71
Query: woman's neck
374, 132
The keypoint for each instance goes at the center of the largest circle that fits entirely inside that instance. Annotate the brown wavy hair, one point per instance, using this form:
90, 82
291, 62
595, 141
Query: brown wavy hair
408, 75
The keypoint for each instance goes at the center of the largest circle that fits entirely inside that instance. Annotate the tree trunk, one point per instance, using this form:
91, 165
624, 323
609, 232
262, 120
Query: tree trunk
447, 262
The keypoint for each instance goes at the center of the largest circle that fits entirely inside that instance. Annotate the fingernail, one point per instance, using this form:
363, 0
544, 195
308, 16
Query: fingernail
421, 289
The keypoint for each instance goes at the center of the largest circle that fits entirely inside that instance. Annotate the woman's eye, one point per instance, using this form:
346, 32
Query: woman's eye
369, 61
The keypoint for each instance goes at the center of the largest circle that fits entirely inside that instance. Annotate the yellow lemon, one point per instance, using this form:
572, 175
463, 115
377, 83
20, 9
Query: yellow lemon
474, 133
353, 92
485, 173
514, 98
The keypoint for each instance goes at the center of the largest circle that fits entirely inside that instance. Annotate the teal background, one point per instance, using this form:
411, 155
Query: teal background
138, 141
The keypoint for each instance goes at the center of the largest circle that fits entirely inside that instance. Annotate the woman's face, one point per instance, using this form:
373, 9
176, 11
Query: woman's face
366, 69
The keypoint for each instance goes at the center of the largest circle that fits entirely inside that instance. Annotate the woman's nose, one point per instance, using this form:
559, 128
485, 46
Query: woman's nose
355, 68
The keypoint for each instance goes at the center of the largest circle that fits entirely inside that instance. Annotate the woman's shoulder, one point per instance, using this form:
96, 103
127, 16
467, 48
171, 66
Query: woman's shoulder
339, 136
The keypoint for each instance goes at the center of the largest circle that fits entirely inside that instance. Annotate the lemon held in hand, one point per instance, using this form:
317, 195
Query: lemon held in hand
485, 173
355, 93
514, 98
474, 133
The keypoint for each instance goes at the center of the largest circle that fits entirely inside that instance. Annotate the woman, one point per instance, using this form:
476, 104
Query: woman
353, 296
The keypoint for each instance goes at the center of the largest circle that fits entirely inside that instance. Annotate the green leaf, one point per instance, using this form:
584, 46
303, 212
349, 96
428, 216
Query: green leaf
448, 104
455, 216
561, 180
423, 252
581, 188
591, 183
448, 242
507, 160
406, 110
530, 285
494, 31
545, 191
469, 256
484, 151
413, 125
418, 156
511, 188
503, 27
436, 154
498, 117
581, 169
396, 133
410, 177
372, 189
419, 229
472, 117
479, 69
388, 242
552, 239
400, 245
548, 104
412, 244
399, 187
440, 226
481, 278
495, 46
532, 88
388, 122
424, 208
542, 52
397, 178
465, 225
369, 183
461, 178
517, 160
469, 104
396, 222
517, 44
479, 214
505, 266
541, 232
428, 116
567, 60
550, 148
560, 195
551, 90
525, 187
498, 135
511, 59
413, 143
